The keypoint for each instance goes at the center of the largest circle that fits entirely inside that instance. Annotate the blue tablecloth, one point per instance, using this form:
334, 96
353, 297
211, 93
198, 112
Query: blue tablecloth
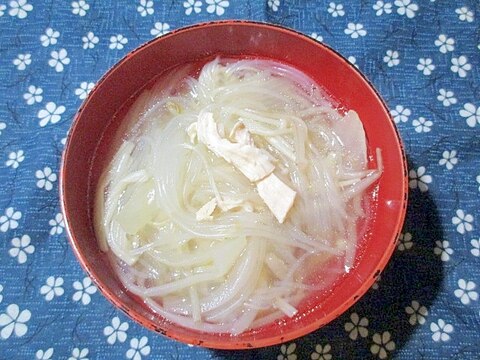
422, 55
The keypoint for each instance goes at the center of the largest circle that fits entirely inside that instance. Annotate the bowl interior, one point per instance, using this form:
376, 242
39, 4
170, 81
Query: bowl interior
95, 127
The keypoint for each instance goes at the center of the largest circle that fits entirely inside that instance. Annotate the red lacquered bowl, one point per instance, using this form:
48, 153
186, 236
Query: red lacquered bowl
95, 125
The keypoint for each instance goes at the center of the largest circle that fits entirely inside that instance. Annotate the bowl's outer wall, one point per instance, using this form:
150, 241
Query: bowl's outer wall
233, 38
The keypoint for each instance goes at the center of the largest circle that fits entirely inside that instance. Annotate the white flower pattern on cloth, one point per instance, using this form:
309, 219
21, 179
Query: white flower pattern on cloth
22, 61
287, 352
382, 7
50, 37
117, 42
51, 114
19, 8
417, 313
444, 43
273, 4
446, 97
355, 30
80, 8
441, 330
57, 224
59, 59
321, 352
52, 288
116, 331
90, 40
449, 159
84, 89
79, 354
426, 66
391, 58
160, 29
400, 114
14, 321
460, 66
217, 6
192, 6
471, 113
335, 9
44, 355
475, 251
33, 95
464, 14
466, 291
138, 348
316, 36
419, 179
405, 242
84, 289
3, 126
422, 125
46, 178
353, 60
21, 248
10, 219
15, 158
382, 344
145, 7
406, 7
356, 326
462, 221
2, 9
442, 248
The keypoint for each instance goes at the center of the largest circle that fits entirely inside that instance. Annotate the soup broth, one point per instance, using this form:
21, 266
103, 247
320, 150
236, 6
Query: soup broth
238, 188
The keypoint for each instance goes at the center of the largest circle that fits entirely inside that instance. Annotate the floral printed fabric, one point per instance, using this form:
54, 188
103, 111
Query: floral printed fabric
422, 55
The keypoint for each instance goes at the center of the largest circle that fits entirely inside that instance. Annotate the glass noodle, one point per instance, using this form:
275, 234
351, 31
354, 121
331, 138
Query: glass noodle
191, 234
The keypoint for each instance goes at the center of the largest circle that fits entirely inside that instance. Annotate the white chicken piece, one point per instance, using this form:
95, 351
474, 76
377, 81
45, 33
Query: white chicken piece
206, 211
241, 135
253, 162
277, 195
225, 204
271, 189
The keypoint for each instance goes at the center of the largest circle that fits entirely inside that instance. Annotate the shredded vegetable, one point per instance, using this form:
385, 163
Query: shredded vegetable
234, 194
